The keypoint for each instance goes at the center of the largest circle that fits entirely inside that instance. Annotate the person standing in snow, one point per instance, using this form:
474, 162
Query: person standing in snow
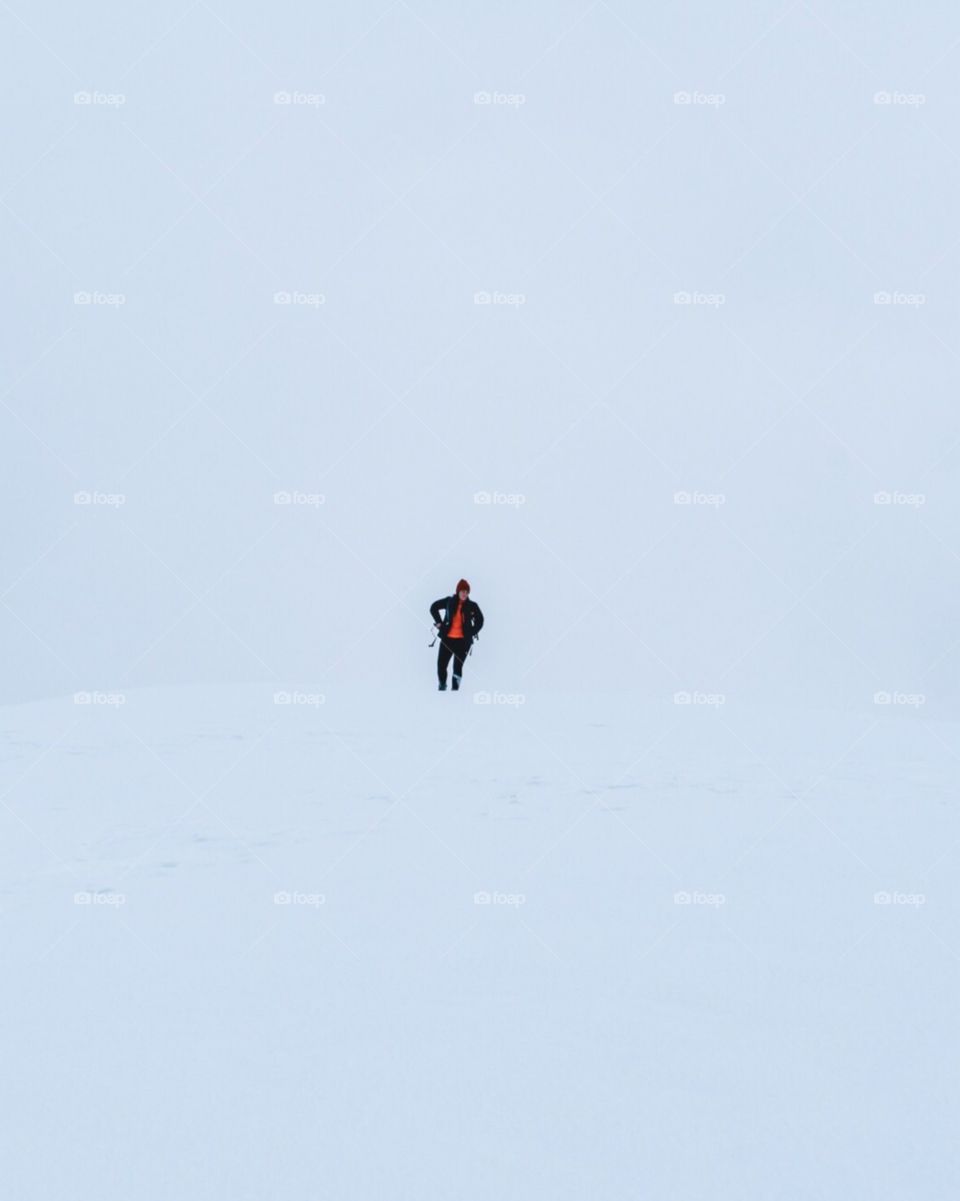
462, 622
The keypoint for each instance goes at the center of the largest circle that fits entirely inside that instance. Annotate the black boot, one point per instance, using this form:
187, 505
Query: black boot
456, 683
443, 685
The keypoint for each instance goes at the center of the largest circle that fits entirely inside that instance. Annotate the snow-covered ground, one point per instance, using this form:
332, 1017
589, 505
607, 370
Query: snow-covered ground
419, 946
643, 319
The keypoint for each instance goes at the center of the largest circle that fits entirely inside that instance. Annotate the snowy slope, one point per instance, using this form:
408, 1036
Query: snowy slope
182, 1032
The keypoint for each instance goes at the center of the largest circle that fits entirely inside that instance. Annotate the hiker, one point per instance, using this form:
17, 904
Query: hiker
462, 622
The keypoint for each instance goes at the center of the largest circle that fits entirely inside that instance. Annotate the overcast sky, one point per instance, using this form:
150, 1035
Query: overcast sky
681, 218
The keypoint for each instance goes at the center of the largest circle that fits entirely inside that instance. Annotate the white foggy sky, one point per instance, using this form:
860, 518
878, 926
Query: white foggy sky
398, 198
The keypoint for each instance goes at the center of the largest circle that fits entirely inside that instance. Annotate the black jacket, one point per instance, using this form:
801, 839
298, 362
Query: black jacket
472, 617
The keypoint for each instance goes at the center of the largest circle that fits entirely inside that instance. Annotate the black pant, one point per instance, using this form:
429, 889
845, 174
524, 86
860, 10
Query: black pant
457, 647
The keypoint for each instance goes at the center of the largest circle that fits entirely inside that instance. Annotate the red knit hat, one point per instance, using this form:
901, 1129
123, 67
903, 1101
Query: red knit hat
461, 585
